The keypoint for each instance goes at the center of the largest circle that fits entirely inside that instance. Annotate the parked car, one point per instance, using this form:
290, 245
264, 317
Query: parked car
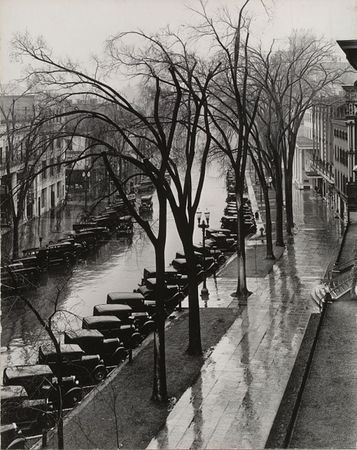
112, 327
62, 254
106, 220
222, 241
180, 264
125, 226
83, 225
40, 382
87, 368
141, 320
207, 262
17, 407
146, 204
101, 233
132, 299
92, 342
87, 238
11, 437
145, 186
17, 276
172, 276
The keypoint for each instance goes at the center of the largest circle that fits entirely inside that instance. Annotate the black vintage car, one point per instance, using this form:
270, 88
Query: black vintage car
40, 383
180, 264
87, 368
146, 204
222, 241
19, 276
11, 437
17, 407
83, 225
145, 186
132, 299
86, 238
207, 262
171, 274
123, 312
141, 320
92, 342
125, 226
112, 327
62, 254
106, 220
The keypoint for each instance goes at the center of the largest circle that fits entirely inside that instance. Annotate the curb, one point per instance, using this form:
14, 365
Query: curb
284, 421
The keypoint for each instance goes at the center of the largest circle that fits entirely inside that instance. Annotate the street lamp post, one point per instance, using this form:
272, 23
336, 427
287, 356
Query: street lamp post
203, 223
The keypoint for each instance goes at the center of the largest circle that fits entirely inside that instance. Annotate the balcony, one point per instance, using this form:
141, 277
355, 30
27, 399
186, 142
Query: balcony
324, 168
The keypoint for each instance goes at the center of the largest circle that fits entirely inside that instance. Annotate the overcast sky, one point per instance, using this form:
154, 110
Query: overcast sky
78, 28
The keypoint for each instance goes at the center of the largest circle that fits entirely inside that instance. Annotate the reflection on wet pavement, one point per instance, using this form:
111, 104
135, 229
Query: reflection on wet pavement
243, 380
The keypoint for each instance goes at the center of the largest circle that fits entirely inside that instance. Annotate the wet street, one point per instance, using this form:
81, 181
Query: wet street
234, 401
116, 266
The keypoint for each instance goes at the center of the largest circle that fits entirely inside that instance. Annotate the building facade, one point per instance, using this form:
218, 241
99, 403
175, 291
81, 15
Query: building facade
31, 173
326, 155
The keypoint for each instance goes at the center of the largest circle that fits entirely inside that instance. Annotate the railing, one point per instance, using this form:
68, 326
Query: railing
342, 287
325, 168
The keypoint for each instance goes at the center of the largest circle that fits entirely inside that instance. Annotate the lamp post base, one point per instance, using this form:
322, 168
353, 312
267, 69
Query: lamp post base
205, 295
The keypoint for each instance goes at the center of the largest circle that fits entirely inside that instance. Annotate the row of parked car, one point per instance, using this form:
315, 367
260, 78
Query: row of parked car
30, 392
86, 236
230, 217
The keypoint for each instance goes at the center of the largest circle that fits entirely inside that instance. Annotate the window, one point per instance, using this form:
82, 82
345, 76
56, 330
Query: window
1, 155
43, 198
52, 168
58, 189
59, 143
58, 164
44, 170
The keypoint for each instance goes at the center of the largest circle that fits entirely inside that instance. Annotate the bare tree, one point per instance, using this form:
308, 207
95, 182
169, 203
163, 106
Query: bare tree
177, 81
233, 105
47, 324
292, 78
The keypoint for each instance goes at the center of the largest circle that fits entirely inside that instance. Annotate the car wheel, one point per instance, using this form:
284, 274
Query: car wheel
68, 258
47, 420
17, 443
148, 327
99, 373
136, 339
119, 356
73, 396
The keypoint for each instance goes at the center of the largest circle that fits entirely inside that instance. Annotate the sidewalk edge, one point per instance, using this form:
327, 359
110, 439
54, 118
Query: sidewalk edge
283, 424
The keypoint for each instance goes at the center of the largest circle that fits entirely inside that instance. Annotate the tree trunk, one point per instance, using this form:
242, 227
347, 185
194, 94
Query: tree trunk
268, 224
161, 387
60, 432
194, 327
289, 201
279, 209
15, 236
160, 390
242, 290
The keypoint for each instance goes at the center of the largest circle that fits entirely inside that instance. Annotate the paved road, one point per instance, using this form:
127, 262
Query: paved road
235, 400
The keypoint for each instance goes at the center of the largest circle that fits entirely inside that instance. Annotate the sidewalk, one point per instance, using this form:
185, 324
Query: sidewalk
327, 416
234, 402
